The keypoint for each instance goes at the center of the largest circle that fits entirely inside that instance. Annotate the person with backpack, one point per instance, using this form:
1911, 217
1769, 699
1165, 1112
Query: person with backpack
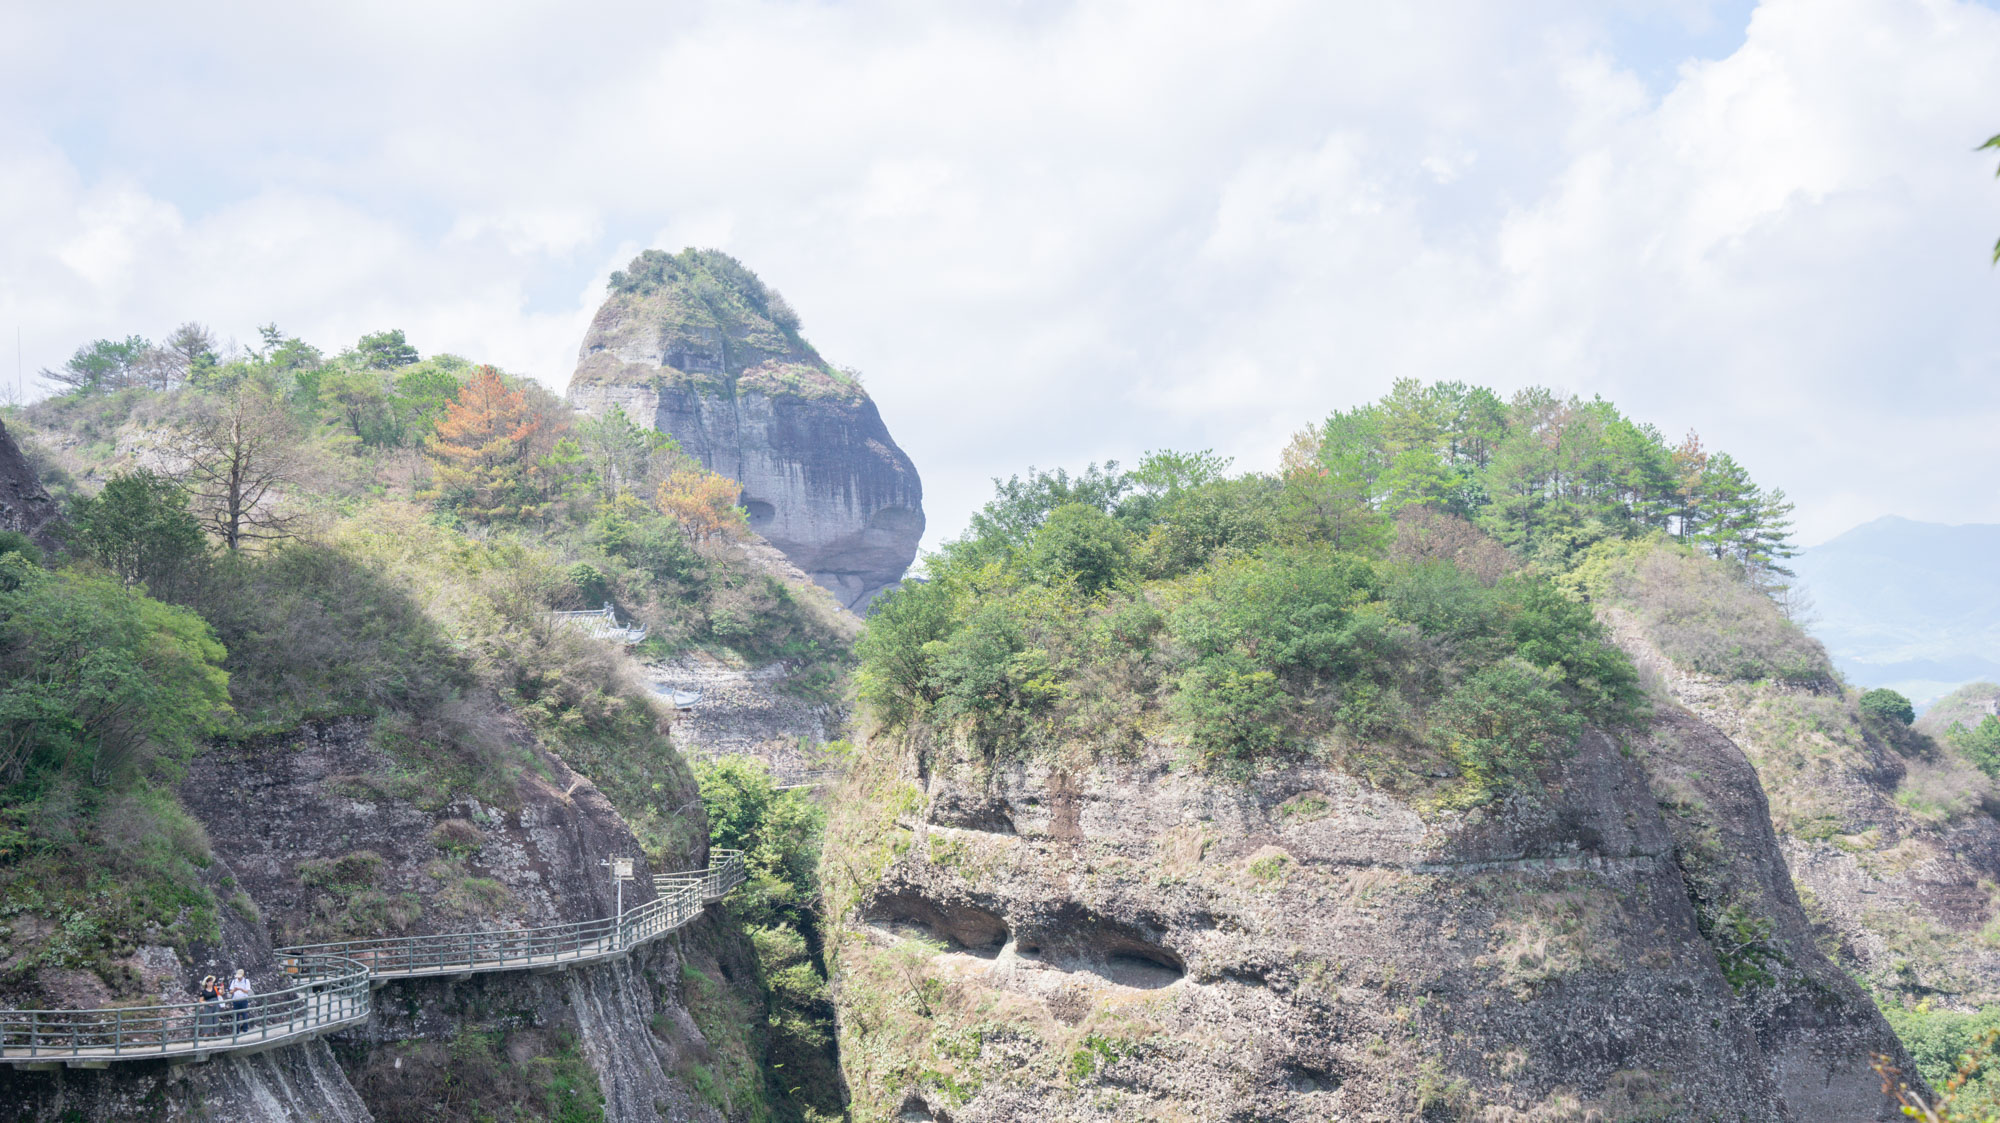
239, 997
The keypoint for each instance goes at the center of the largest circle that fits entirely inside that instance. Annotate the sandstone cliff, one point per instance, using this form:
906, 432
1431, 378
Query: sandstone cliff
284, 811
696, 346
1117, 939
24, 505
1890, 835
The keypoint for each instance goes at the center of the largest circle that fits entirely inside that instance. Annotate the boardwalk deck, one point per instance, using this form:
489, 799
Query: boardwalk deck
338, 978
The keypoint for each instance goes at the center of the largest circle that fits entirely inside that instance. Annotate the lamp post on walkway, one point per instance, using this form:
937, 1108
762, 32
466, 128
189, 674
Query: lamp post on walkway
621, 872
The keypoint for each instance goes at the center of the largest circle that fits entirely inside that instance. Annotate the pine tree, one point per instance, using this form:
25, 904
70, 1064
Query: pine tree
482, 449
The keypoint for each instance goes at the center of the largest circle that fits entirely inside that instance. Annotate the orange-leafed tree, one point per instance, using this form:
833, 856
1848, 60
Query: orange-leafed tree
483, 448
703, 502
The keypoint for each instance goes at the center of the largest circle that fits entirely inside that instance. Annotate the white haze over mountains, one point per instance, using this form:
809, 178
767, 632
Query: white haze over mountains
1907, 605
1052, 232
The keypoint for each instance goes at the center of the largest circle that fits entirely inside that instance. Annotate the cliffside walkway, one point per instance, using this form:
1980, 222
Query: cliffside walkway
336, 980
602, 623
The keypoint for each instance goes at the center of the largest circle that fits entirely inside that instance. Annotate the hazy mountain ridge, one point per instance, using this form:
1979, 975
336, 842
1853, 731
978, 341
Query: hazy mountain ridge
1910, 605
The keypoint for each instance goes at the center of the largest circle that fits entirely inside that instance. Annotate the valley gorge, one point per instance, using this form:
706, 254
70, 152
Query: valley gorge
1175, 793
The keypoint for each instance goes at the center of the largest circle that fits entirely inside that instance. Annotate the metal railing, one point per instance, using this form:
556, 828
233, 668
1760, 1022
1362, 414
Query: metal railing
705, 885
514, 949
333, 991
336, 979
602, 623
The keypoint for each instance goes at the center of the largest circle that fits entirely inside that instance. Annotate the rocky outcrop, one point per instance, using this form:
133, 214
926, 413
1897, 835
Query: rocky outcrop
1890, 836
696, 346
282, 811
24, 505
281, 1086
1122, 939
319, 834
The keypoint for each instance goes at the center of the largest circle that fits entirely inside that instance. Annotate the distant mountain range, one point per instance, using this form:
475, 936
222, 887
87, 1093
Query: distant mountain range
1908, 605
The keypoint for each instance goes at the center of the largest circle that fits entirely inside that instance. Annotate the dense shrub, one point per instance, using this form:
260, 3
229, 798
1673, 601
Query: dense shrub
1887, 705
1937, 1040
1255, 635
103, 694
140, 528
779, 832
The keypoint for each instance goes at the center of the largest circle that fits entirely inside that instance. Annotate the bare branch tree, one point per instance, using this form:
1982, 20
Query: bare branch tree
241, 452
189, 350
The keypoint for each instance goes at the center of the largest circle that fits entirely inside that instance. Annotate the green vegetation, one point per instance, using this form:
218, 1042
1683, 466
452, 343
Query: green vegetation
1942, 1042
779, 833
478, 1076
388, 546
1546, 476
1887, 705
1251, 616
1980, 742
104, 694
722, 327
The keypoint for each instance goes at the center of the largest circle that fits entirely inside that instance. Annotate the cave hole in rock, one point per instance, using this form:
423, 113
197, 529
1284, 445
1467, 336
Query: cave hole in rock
1113, 950
1301, 1076
915, 1110
760, 512
970, 812
966, 928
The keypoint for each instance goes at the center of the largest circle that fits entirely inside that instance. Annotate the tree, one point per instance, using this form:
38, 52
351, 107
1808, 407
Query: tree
482, 448
360, 400
619, 451
1980, 742
96, 677
703, 503
1019, 505
190, 353
422, 393
1081, 542
102, 364
240, 446
385, 350
1888, 705
139, 527
1164, 472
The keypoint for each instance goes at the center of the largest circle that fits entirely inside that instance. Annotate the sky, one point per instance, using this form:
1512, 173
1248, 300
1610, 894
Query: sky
1051, 233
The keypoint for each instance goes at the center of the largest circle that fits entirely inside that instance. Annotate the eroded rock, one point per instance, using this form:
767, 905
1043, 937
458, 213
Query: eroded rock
1622, 942
694, 345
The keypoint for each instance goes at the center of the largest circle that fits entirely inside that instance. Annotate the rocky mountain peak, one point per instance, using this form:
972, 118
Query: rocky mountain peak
697, 345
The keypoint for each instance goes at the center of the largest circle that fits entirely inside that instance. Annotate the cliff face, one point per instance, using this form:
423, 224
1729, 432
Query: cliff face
1890, 836
696, 346
1121, 940
283, 811
24, 505
314, 840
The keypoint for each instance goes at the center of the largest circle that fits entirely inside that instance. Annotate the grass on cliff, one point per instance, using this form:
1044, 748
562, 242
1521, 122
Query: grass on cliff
478, 1076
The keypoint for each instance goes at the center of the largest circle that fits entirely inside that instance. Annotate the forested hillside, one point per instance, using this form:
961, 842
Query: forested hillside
1332, 603
280, 543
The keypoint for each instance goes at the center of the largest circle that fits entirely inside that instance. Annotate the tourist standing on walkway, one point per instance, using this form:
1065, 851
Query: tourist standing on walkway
211, 1002
239, 997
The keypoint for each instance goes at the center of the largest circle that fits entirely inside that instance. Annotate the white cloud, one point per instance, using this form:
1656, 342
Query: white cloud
1055, 232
